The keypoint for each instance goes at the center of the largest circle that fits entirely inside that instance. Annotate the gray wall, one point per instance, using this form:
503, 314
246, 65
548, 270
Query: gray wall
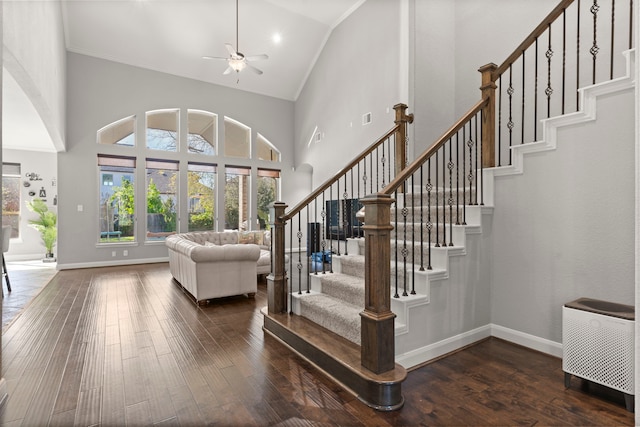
357, 72
101, 92
564, 228
34, 53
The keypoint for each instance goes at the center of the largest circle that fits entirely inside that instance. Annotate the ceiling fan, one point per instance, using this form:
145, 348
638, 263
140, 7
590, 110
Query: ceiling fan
236, 60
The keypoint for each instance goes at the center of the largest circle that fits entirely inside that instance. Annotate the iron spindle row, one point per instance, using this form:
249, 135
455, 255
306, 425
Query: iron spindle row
561, 64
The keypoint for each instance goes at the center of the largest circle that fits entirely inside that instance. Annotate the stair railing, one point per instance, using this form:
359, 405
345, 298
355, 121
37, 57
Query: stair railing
329, 216
579, 43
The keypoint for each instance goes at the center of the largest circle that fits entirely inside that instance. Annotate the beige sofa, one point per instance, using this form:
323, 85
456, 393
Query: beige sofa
211, 264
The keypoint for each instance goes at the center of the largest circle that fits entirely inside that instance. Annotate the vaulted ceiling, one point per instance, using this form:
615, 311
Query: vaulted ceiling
172, 36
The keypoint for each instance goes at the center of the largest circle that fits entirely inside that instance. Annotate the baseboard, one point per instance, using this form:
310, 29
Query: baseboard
117, 263
3, 393
440, 348
527, 340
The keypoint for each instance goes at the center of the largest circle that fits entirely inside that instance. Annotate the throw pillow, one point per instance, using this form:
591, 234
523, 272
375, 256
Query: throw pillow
245, 237
258, 238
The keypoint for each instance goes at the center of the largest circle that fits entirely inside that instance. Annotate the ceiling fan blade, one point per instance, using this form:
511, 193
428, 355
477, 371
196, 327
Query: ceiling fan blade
229, 70
214, 57
256, 57
254, 69
231, 50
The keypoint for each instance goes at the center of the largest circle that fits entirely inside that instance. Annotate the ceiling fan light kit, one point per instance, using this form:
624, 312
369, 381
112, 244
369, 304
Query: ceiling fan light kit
236, 60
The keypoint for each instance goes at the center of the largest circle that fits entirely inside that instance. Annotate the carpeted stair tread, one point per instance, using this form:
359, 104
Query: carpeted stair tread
336, 315
344, 287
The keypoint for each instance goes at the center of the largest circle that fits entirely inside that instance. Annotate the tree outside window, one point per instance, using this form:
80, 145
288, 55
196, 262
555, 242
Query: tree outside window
11, 197
201, 189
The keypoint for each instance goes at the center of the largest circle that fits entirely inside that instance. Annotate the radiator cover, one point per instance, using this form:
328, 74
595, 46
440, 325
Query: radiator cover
598, 348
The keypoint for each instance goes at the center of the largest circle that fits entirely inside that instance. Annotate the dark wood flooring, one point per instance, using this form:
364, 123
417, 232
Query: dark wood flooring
124, 346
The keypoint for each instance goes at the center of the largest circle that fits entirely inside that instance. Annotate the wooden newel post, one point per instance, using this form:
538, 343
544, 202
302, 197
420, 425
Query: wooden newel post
488, 89
377, 319
402, 119
277, 279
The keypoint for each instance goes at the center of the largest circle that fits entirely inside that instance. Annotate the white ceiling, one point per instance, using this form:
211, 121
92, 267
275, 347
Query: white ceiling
171, 36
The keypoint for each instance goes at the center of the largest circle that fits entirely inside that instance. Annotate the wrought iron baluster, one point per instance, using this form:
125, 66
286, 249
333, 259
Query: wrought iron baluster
522, 97
371, 169
421, 221
510, 92
630, 24
450, 200
299, 235
549, 90
405, 251
479, 138
499, 129
413, 237
389, 157
325, 226
340, 218
429, 223
594, 46
317, 236
464, 176
470, 144
578, 56
352, 216
444, 196
300, 250
378, 170
613, 26
395, 244
346, 215
383, 161
535, 96
364, 175
458, 178
330, 222
564, 54
437, 204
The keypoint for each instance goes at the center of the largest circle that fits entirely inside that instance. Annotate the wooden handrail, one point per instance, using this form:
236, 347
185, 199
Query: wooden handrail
539, 30
418, 162
328, 183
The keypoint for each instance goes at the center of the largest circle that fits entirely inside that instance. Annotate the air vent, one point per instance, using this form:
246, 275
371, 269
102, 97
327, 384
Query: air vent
318, 137
366, 118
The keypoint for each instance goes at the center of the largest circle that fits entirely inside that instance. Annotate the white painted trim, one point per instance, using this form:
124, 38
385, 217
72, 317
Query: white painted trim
527, 340
94, 264
440, 348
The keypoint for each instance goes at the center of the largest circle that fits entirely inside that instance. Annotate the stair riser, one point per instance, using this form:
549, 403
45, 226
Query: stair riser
459, 197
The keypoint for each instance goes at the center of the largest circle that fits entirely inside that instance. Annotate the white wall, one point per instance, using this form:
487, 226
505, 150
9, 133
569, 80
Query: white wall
357, 72
564, 228
34, 53
101, 92
29, 245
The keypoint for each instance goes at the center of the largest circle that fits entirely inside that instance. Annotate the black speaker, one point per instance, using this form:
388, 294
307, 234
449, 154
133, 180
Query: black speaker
313, 237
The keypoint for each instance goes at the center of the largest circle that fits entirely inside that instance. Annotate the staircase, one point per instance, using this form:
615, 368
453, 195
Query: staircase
439, 294
335, 299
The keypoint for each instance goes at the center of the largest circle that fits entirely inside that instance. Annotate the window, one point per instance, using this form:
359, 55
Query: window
202, 132
117, 199
236, 200
201, 188
266, 150
121, 133
162, 130
268, 186
162, 185
237, 139
11, 197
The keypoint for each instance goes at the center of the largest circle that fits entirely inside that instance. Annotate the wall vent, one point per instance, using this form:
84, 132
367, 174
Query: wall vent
366, 118
318, 137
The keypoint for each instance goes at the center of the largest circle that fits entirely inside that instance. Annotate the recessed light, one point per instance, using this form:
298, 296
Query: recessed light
277, 38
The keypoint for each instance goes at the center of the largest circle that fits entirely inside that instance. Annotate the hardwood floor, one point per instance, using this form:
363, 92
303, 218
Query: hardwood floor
124, 346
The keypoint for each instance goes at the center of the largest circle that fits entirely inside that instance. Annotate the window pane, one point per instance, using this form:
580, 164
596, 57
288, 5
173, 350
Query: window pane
162, 130
267, 194
236, 206
11, 197
121, 132
237, 139
201, 188
162, 184
266, 151
202, 132
117, 199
